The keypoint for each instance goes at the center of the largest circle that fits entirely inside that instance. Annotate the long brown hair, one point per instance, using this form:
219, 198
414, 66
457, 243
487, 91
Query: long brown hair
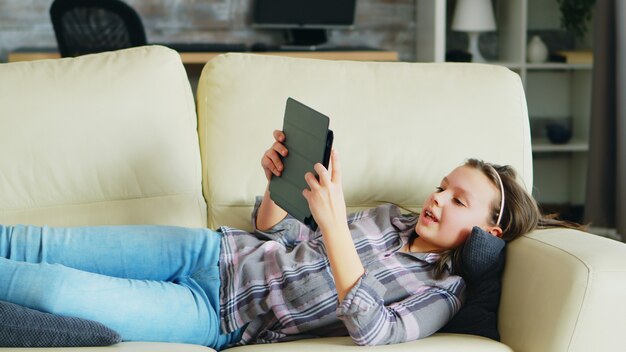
520, 215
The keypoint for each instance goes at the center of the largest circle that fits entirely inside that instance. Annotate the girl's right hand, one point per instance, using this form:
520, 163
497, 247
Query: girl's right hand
271, 162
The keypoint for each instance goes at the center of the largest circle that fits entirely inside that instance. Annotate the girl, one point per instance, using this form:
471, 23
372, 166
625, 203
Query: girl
379, 276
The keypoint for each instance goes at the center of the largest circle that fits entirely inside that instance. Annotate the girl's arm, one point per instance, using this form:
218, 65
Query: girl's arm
370, 322
269, 213
327, 204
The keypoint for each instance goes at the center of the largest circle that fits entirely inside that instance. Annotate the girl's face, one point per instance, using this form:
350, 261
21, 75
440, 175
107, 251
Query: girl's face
464, 199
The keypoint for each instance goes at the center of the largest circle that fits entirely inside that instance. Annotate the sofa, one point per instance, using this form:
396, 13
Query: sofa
116, 138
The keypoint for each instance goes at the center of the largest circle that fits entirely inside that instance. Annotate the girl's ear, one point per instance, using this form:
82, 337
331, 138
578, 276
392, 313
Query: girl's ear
494, 230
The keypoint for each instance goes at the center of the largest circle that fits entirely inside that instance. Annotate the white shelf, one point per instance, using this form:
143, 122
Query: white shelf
511, 65
542, 66
430, 30
553, 89
558, 66
545, 146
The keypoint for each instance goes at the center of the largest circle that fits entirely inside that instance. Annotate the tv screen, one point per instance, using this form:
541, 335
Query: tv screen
304, 13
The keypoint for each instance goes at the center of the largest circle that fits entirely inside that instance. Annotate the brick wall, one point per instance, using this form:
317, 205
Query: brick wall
387, 24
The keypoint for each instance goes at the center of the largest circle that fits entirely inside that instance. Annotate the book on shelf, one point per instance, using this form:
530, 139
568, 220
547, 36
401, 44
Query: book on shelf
573, 56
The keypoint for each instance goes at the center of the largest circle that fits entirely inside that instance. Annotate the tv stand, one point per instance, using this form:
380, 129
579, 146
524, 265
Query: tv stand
305, 37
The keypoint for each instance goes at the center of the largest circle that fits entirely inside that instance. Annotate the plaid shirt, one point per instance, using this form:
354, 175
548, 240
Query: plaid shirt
279, 283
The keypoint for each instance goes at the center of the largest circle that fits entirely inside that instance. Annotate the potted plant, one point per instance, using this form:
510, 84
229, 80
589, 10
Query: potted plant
575, 15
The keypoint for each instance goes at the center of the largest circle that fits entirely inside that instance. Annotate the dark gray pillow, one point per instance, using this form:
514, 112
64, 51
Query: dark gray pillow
483, 259
24, 327
481, 252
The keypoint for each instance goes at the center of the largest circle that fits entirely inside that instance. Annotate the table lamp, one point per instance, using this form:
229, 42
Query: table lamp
474, 17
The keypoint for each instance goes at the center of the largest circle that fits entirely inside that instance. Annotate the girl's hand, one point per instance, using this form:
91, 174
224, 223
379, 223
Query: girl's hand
270, 213
328, 207
271, 162
325, 197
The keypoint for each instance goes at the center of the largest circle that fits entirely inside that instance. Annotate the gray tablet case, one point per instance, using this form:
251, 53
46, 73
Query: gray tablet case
309, 141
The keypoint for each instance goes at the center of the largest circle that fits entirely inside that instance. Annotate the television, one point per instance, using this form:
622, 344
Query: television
305, 22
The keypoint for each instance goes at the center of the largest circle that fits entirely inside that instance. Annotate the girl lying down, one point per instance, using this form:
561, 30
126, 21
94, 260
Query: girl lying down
378, 275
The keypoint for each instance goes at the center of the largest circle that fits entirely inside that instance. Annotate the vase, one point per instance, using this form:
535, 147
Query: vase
558, 133
537, 50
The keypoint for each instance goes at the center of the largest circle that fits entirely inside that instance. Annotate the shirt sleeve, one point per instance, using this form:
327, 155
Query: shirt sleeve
289, 231
370, 322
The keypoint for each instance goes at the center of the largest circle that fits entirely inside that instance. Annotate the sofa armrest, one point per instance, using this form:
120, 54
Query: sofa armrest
563, 290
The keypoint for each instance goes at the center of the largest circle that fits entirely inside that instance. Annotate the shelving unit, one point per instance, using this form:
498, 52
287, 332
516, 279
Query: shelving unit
554, 91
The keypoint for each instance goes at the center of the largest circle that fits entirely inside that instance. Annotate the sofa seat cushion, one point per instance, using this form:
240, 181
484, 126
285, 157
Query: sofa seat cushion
123, 347
438, 342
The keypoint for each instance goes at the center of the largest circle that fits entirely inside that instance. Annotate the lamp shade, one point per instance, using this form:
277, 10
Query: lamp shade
473, 16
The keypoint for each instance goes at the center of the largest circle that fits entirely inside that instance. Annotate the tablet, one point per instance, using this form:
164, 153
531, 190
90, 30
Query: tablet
309, 141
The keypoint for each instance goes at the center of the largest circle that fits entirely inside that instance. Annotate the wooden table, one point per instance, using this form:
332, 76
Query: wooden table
200, 58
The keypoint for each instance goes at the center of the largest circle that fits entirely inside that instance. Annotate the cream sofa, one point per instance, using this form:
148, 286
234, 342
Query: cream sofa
112, 139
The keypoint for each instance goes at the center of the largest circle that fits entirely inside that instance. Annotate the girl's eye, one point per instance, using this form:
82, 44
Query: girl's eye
438, 189
459, 202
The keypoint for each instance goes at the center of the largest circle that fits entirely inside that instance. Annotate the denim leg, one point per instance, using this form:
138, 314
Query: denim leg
149, 283
133, 252
139, 310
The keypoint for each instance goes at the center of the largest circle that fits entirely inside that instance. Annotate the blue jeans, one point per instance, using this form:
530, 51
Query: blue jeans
149, 283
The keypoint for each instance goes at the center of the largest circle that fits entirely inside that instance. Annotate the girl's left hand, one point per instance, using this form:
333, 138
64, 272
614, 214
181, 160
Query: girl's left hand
325, 197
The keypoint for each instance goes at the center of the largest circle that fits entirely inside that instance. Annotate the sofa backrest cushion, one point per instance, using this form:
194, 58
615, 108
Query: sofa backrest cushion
100, 139
399, 127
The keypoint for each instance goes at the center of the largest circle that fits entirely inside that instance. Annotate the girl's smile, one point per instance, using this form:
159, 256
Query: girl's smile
428, 216
464, 199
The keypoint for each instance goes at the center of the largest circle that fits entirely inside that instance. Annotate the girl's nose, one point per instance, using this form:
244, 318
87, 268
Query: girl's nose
442, 198
438, 198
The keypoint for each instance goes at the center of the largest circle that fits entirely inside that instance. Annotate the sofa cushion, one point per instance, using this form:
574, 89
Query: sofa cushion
385, 117
483, 262
101, 139
25, 327
435, 343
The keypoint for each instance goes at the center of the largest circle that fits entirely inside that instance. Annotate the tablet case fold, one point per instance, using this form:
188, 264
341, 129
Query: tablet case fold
309, 141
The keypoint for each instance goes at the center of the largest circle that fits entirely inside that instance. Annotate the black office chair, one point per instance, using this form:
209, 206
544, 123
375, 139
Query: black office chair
92, 26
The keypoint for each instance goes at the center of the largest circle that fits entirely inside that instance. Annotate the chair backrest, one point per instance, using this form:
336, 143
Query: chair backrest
92, 26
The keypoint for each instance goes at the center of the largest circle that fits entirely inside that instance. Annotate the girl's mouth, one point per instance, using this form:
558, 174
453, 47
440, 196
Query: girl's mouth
430, 216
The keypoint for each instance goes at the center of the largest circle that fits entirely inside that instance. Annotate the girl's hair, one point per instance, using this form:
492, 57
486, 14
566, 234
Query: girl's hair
520, 214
